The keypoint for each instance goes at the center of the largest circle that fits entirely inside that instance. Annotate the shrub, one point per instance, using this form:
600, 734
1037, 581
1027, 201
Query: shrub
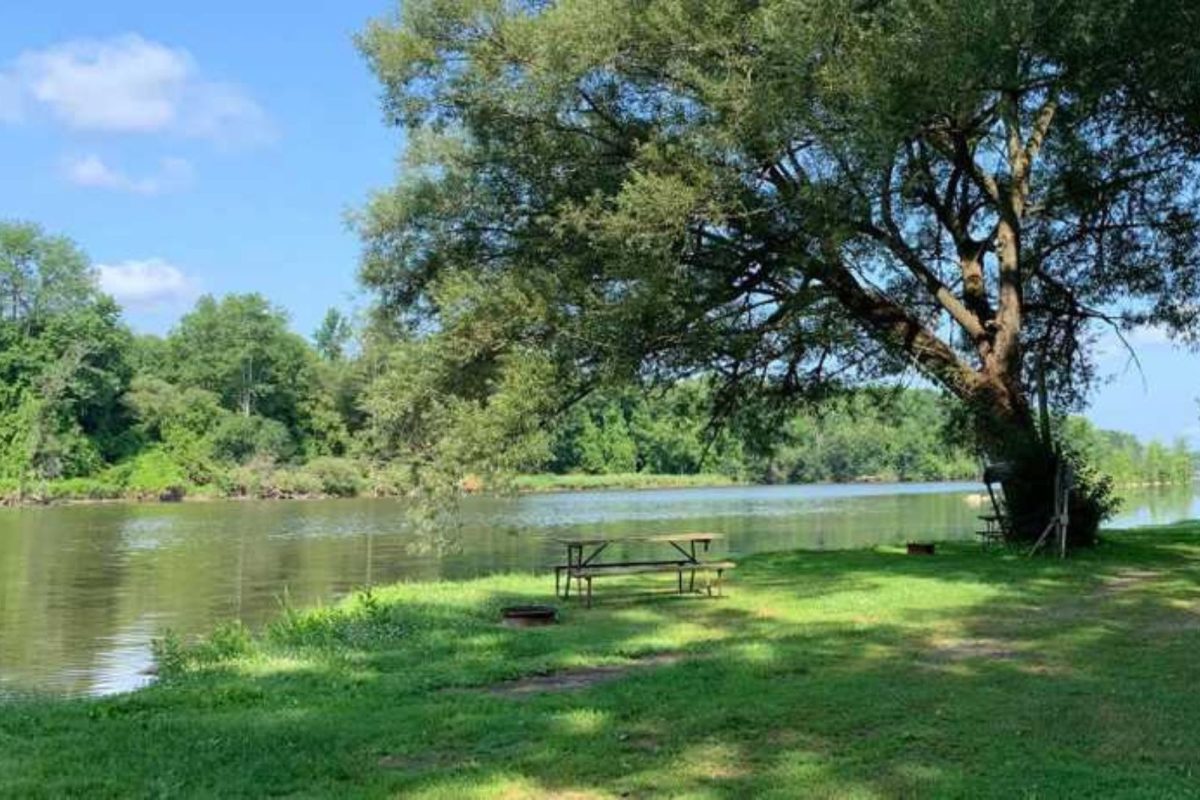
239, 439
174, 657
389, 480
82, 489
154, 473
119, 474
194, 456
289, 483
337, 477
247, 480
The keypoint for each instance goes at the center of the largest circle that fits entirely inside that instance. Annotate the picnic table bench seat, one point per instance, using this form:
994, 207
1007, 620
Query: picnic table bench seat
587, 574
637, 569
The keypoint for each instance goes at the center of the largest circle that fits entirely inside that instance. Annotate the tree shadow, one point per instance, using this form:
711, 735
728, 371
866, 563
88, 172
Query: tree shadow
870, 673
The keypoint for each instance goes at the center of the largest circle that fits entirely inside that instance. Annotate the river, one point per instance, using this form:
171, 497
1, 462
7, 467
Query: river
84, 589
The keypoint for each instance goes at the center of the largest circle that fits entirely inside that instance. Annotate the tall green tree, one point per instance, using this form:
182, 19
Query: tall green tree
796, 192
239, 347
63, 360
41, 275
333, 336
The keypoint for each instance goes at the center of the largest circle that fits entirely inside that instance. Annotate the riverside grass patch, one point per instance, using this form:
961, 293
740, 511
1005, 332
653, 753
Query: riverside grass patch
839, 674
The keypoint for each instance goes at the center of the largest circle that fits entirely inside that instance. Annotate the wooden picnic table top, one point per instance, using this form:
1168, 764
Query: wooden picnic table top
658, 537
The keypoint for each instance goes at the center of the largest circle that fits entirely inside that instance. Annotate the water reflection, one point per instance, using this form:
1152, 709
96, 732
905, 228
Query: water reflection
1157, 506
84, 589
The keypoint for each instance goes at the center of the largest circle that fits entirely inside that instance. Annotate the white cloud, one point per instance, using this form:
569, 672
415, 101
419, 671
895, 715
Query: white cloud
125, 84
224, 114
146, 284
128, 84
92, 172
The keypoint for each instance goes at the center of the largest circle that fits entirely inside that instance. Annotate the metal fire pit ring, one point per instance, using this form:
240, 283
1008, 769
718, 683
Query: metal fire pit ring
528, 616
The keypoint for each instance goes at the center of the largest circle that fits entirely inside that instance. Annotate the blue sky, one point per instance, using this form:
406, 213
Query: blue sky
199, 147
216, 146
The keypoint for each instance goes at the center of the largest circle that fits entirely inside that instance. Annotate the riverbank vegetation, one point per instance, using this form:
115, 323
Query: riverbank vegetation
578, 482
231, 403
836, 674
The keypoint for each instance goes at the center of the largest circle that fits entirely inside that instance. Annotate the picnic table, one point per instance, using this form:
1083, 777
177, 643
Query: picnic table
584, 564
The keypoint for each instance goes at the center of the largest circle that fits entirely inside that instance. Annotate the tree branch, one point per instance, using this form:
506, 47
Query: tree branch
903, 333
893, 239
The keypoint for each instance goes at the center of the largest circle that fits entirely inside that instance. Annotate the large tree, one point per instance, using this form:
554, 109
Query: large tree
794, 192
63, 360
239, 347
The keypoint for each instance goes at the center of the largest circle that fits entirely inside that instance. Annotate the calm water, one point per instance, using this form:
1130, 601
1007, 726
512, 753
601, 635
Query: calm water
84, 589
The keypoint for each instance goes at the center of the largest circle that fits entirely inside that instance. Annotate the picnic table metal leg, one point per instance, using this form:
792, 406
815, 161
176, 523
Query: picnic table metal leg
681, 581
578, 566
589, 592
570, 567
692, 579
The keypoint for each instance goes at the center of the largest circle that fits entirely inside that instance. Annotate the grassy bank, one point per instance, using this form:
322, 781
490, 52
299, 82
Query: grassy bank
853, 674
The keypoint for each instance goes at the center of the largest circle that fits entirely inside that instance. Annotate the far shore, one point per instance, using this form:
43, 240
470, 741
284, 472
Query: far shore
543, 483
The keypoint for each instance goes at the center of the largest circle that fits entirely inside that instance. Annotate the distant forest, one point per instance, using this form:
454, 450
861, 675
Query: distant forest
879, 434
231, 403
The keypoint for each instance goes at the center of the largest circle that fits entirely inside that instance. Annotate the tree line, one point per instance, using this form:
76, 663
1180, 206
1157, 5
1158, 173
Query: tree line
882, 434
868, 434
231, 402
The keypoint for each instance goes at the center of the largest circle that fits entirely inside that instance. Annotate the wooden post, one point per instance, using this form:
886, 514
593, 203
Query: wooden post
1068, 483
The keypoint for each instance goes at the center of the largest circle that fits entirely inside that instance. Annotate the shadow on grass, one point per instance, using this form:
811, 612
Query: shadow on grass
821, 674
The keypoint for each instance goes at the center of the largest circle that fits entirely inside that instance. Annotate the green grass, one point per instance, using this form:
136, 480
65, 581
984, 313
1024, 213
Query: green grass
548, 482
853, 674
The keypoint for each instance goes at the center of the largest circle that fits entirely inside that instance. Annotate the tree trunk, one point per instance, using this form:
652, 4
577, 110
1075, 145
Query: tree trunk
1005, 424
1008, 433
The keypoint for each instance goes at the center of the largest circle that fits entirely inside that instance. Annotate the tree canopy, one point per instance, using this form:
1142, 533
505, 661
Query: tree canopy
794, 194
63, 360
240, 348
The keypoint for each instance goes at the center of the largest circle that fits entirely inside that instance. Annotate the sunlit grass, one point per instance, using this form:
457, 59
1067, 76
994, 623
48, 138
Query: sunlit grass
852, 674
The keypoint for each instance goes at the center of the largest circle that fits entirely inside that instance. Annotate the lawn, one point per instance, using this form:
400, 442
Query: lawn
849, 674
